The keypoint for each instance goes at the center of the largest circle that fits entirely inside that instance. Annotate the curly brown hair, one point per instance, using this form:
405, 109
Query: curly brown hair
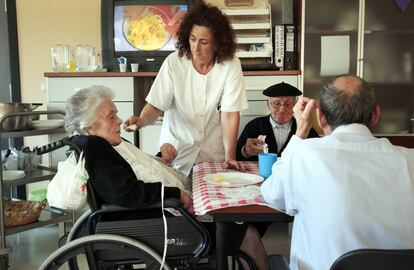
203, 14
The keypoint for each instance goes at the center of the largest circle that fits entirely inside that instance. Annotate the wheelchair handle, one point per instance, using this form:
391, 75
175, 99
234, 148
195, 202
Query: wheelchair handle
56, 145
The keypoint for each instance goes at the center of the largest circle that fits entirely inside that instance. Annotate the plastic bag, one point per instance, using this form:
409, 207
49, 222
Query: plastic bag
67, 190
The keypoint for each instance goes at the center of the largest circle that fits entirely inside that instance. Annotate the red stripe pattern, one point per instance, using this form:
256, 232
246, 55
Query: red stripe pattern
207, 197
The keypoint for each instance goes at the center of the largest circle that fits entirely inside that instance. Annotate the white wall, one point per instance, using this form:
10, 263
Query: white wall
41, 25
44, 23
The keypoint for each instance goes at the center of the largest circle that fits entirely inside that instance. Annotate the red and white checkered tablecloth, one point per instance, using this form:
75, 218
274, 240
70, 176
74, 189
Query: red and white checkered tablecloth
207, 197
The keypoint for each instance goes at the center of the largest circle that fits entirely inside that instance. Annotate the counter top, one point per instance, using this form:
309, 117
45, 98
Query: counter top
154, 74
100, 74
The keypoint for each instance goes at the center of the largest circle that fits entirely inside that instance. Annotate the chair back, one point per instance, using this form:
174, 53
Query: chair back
378, 259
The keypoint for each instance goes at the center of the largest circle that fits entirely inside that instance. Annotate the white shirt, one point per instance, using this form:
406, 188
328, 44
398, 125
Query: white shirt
190, 101
348, 190
281, 131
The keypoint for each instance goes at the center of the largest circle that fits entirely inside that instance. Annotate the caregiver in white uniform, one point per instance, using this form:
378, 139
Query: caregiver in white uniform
201, 90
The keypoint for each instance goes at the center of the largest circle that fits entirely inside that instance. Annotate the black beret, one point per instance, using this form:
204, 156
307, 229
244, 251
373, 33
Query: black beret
282, 89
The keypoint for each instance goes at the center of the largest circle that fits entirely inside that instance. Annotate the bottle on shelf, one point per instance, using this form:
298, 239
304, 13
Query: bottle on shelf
408, 66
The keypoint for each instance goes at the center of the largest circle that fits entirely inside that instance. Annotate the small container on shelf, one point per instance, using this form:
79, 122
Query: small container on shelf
62, 55
408, 66
85, 58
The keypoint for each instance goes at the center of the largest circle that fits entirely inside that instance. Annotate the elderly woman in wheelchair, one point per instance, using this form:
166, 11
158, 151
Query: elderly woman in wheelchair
127, 189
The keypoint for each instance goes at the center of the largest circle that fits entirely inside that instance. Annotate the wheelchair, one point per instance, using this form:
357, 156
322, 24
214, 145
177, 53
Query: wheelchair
107, 244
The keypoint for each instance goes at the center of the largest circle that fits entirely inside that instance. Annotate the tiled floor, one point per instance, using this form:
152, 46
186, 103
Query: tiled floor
31, 248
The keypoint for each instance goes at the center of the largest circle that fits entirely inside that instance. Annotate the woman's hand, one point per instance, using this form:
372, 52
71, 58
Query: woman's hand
187, 202
168, 153
232, 164
148, 115
133, 123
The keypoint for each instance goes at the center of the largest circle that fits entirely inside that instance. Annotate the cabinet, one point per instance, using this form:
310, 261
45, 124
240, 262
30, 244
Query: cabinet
380, 49
42, 173
253, 29
61, 87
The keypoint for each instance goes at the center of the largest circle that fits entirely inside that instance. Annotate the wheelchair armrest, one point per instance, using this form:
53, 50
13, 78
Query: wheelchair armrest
108, 208
111, 208
170, 203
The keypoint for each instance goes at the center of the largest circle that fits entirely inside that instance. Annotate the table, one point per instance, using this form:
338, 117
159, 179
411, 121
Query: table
207, 198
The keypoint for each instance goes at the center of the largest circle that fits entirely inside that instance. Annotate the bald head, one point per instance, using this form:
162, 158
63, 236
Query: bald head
349, 84
347, 99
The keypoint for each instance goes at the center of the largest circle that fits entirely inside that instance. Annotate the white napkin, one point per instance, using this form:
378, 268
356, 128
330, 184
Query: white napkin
247, 192
265, 146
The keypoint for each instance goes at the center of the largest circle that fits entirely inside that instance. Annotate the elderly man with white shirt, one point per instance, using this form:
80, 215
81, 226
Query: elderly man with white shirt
347, 190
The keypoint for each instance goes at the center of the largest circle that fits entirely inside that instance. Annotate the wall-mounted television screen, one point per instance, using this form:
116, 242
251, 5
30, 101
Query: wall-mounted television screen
143, 31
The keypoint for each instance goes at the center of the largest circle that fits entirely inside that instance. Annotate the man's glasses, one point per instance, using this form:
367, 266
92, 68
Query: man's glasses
277, 105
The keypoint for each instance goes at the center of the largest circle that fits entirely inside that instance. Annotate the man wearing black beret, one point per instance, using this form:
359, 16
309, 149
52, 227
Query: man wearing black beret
278, 127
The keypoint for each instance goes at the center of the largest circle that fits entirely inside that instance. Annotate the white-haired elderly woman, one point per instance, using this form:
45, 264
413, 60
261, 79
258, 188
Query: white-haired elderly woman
122, 174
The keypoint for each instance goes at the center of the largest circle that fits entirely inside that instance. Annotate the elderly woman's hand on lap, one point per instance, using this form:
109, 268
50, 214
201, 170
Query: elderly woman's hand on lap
187, 202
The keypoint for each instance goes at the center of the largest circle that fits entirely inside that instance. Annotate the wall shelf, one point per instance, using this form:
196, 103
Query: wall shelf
241, 54
253, 30
246, 11
250, 26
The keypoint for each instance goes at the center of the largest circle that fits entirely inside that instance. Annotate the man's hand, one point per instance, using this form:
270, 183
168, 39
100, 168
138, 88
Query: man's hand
187, 202
133, 123
303, 115
253, 147
168, 153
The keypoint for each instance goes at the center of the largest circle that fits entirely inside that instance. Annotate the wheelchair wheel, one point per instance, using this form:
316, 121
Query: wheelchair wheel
105, 246
79, 229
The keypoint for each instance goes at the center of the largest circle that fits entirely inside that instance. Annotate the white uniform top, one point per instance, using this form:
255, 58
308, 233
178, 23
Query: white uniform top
348, 190
192, 103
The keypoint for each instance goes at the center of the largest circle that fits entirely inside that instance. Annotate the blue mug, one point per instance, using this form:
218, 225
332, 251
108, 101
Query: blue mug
266, 161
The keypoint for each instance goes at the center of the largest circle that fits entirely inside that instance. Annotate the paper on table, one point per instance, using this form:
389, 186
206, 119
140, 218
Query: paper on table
247, 192
233, 179
334, 55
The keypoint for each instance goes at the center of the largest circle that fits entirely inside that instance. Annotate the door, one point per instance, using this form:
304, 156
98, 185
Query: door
5, 83
9, 70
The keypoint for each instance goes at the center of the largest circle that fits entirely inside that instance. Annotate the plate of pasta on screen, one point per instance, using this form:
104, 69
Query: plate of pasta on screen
149, 30
233, 179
